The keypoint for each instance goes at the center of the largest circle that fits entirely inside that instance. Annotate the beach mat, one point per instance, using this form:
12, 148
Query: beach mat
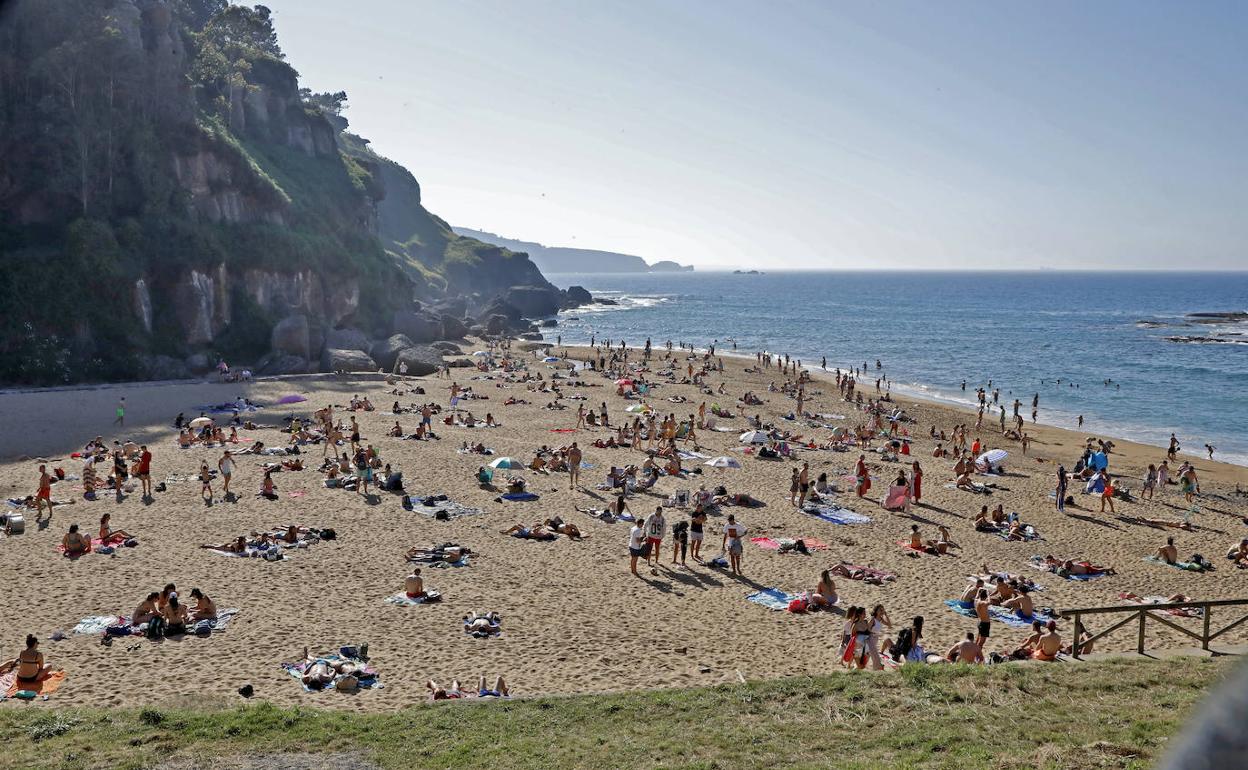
1187, 566
451, 508
402, 599
367, 677
835, 514
998, 614
518, 497
771, 598
47, 683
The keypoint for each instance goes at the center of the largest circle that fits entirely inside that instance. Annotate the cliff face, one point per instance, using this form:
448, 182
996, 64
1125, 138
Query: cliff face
561, 259
168, 195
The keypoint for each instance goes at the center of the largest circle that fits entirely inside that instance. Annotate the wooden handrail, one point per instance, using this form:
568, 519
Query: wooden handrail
1143, 612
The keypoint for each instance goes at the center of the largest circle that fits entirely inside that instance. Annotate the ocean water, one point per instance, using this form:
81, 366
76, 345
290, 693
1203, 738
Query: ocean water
932, 330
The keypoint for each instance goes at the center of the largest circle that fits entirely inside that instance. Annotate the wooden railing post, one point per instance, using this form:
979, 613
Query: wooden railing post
1078, 635
1204, 642
1143, 620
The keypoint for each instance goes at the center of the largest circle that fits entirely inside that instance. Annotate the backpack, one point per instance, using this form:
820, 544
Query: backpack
156, 628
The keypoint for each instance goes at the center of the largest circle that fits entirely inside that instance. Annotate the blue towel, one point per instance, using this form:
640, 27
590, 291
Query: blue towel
834, 514
999, 614
518, 496
772, 598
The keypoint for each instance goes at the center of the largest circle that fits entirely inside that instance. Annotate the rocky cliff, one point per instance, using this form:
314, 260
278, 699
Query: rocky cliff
170, 195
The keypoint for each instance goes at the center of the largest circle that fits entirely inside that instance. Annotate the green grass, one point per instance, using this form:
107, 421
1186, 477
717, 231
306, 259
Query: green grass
1112, 714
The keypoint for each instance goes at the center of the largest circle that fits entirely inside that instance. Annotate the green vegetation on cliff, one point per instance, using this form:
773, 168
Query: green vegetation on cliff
156, 156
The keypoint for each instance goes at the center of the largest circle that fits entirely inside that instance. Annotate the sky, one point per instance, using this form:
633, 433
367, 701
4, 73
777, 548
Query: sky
809, 135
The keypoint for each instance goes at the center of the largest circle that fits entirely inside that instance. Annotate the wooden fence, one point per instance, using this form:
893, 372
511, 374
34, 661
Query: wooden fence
1145, 612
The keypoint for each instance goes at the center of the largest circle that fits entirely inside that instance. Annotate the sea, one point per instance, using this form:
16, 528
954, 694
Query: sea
1117, 348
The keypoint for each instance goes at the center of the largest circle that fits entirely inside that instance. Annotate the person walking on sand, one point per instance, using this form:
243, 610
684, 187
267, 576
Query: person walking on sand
1107, 495
44, 494
121, 413
1060, 491
803, 484
794, 486
982, 606
580, 415
205, 478
916, 482
733, 534
862, 478
226, 466
574, 466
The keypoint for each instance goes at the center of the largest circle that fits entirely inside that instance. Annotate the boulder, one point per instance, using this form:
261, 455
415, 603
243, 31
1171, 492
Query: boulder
335, 360
453, 327
576, 296
549, 323
198, 363
531, 336
277, 363
447, 348
602, 301
421, 360
460, 363
290, 336
164, 368
500, 306
386, 352
497, 324
418, 325
347, 339
453, 306
534, 301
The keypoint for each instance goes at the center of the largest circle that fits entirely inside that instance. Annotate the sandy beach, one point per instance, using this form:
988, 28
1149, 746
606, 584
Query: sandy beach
574, 619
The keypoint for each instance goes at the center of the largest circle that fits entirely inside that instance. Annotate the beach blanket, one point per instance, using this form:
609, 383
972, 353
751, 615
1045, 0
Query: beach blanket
835, 514
430, 507
46, 684
1181, 612
401, 598
607, 516
775, 544
217, 624
1188, 566
999, 614
1028, 533
895, 500
367, 676
905, 546
113, 542
97, 623
515, 497
1037, 562
772, 598
687, 455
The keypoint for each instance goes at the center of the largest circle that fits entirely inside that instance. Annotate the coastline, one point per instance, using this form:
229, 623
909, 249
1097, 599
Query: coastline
575, 620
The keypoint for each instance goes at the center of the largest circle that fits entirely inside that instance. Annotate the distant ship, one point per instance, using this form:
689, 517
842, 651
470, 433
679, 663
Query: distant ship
747, 272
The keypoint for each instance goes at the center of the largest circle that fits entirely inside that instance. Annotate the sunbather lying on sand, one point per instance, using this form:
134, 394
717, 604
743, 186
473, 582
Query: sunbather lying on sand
1072, 567
537, 531
448, 552
437, 692
321, 672
481, 625
865, 574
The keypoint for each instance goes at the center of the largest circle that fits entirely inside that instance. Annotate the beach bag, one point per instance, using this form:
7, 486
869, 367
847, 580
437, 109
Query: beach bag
130, 542
329, 534
798, 605
850, 648
155, 628
105, 549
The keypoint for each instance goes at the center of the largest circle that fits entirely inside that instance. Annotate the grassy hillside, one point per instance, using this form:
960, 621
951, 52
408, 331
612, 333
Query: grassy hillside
1111, 714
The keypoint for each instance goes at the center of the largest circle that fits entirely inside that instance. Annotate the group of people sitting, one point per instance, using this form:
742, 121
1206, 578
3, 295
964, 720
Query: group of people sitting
75, 543
269, 545
164, 614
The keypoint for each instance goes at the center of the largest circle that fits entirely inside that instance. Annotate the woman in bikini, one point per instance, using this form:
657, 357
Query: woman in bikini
146, 610
29, 663
824, 594
75, 543
109, 535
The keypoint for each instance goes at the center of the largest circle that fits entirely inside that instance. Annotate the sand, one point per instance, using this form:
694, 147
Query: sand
575, 620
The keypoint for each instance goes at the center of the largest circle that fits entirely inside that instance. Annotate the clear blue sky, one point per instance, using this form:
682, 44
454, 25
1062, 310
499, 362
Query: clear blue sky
810, 134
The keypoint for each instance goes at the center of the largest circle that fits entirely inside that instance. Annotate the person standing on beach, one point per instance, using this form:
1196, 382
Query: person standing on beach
1061, 488
574, 466
144, 471
803, 484
226, 466
205, 478
1173, 451
44, 494
1080, 421
733, 533
656, 527
636, 545
1107, 495
121, 413
861, 477
794, 486
982, 605
916, 482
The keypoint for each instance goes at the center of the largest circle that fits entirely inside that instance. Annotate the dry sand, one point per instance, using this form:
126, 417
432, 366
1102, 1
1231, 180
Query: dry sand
574, 619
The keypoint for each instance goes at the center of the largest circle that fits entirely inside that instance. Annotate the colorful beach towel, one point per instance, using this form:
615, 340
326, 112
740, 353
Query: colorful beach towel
97, 623
835, 514
516, 497
402, 599
47, 683
772, 598
367, 676
1188, 566
999, 614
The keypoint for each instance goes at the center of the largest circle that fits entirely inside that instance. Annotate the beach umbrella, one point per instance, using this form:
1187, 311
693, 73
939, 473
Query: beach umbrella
506, 463
992, 457
200, 422
480, 353
754, 437
637, 408
723, 462
550, 359
294, 398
